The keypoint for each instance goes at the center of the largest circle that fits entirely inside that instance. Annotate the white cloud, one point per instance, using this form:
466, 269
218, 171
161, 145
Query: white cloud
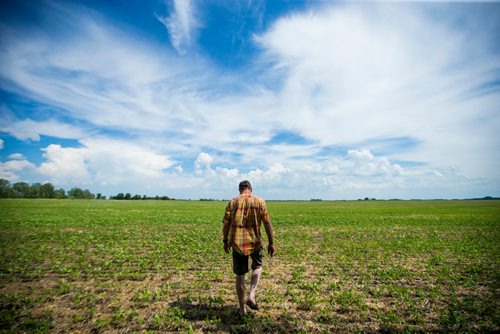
215, 181
123, 166
12, 169
17, 156
365, 71
437, 173
270, 177
350, 175
330, 167
65, 165
362, 154
203, 163
103, 160
364, 163
29, 129
227, 172
1, 144
181, 24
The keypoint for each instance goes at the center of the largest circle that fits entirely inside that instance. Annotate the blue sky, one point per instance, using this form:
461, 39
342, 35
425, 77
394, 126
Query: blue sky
306, 99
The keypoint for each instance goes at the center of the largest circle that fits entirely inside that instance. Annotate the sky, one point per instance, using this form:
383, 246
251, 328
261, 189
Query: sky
305, 99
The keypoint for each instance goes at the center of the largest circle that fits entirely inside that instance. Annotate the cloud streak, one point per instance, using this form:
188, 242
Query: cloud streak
181, 25
28, 129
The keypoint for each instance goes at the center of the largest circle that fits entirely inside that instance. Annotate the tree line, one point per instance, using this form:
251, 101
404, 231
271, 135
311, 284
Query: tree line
47, 190
38, 190
128, 196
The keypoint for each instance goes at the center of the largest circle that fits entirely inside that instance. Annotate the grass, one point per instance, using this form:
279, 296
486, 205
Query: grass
148, 266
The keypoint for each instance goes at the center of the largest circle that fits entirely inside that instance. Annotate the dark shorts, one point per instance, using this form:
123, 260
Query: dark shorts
240, 262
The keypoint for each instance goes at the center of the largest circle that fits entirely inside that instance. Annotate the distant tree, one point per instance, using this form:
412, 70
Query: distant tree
38, 190
87, 194
47, 191
5, 189
34, 191
60, 193
80, 194
98, 196
21, 189
75, 193
128, 196
4, 184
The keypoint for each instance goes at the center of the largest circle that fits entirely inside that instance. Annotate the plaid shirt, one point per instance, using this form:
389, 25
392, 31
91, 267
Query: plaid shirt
245, 213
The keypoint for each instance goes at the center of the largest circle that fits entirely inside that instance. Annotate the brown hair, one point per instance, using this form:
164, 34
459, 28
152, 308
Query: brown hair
244, 185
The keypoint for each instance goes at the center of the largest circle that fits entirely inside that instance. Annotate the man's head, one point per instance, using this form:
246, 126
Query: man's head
244, 185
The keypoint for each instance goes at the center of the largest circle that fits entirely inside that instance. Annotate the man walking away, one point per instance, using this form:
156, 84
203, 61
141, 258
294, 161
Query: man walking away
242, 220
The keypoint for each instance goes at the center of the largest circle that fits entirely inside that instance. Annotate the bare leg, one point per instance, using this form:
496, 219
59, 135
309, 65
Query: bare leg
240, 291
255, 280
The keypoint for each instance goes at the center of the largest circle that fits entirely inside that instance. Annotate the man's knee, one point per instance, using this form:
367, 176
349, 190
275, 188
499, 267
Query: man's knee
256, 268
257, 259
240, 280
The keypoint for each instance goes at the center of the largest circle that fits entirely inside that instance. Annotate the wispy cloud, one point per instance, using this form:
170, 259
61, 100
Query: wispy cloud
367, 71
181, 24
17, 156
122, 83
28, 129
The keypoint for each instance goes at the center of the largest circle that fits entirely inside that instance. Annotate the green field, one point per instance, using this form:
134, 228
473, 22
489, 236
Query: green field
159, 266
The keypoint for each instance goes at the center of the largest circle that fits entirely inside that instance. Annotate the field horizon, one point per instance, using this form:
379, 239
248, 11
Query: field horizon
158, 266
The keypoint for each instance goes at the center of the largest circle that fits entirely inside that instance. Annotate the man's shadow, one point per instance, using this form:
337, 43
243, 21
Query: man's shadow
219, 316
206, 310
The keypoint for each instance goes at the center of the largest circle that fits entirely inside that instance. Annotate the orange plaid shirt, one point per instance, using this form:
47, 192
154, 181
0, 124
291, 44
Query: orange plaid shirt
245, 213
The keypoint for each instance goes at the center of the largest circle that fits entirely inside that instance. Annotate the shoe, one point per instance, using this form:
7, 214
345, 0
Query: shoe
252, 305
239, 315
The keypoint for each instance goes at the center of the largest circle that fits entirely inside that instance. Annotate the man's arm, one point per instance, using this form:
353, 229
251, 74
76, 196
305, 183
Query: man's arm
226, 221
225, 232
270, 238
269, 229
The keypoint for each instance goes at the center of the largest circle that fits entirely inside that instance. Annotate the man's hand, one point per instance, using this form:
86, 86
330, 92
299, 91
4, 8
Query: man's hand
270, 250
227, 247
